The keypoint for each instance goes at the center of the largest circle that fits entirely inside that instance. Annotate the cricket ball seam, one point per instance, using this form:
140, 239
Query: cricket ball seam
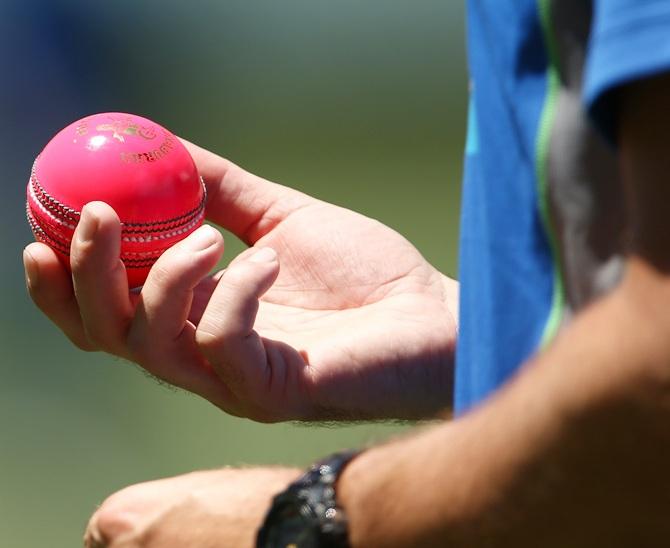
50, 237
52, 205
132, 259
132, 237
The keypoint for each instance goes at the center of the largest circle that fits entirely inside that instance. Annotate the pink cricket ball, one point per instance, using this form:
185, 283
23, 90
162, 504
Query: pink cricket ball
137, 167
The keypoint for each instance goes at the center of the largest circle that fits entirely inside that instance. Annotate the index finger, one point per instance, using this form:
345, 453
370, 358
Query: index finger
246, 205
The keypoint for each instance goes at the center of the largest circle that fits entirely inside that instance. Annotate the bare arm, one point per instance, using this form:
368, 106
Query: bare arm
573, 452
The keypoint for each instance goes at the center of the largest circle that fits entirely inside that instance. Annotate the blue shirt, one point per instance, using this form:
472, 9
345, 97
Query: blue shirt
542, 206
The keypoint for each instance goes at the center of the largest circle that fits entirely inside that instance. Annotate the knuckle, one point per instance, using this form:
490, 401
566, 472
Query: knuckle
168, 271
235, 277
80, 258
214, 335
105, 336
95, 336
237, 381
141, 349
137, 347
212, 345
82, 343
109, 523
88, 262
162, 274
209, 339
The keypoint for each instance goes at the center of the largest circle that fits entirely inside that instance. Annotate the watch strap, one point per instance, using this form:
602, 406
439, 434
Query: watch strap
313, 497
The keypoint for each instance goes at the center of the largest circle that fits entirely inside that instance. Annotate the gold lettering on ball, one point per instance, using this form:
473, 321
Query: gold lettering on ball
151, 155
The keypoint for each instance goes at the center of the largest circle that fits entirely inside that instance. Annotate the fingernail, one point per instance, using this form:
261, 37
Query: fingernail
32, 270
88, 226
203, 238
264, 255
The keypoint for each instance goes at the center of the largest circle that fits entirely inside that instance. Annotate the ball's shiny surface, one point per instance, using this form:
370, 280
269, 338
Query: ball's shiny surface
133, 164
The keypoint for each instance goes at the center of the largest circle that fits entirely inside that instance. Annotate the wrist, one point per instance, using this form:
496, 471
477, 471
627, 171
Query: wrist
353, 488
307, 512
391, 493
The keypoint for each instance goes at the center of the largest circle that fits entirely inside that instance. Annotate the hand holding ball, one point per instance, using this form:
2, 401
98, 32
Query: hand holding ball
137, 167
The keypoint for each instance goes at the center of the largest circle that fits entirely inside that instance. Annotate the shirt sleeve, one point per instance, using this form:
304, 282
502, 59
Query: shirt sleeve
630, 40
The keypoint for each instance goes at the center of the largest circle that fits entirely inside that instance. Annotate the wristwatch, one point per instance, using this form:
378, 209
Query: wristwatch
306, 514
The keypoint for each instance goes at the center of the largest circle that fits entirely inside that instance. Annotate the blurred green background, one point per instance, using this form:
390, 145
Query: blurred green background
358, 103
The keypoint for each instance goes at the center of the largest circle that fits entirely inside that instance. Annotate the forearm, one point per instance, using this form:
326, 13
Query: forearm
571, 453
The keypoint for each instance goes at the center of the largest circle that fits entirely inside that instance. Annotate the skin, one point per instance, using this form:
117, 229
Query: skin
571, 452
349, 321
189, 510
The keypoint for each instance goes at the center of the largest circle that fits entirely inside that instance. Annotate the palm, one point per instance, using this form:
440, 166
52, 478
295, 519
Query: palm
351, 302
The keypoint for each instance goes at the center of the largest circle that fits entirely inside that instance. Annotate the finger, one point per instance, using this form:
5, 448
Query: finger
122, 519
168, 292
93, 537
99, 278
226, 333
201, 296
50, 286
245, 204
165, 300
160, 338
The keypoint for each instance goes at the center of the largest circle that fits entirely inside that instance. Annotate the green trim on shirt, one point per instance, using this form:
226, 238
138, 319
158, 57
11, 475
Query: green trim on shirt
541, 170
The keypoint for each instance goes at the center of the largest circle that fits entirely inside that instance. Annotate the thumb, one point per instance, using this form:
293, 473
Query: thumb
225, 333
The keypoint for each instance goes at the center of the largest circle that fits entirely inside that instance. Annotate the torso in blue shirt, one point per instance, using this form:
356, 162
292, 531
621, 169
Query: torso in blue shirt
542, 207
